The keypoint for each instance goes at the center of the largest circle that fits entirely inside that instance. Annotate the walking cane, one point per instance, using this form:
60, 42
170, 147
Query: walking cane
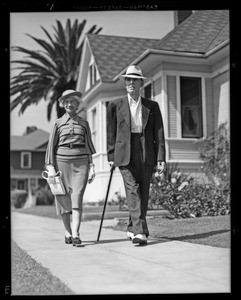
107, 193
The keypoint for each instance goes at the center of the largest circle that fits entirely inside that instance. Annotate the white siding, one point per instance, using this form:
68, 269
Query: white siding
96, 191
221, 99
172, 106
157, 95
186, 150
223, 112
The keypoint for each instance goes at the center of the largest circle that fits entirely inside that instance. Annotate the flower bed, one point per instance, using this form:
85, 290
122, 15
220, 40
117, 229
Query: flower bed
185, 198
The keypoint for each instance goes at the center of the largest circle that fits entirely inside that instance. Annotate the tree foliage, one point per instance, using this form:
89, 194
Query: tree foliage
44, 74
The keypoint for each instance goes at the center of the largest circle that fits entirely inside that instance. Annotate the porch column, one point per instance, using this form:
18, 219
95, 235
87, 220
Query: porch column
31, 199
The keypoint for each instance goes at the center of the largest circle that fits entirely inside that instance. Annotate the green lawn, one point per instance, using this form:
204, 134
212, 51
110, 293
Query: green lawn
211, 231
50, 210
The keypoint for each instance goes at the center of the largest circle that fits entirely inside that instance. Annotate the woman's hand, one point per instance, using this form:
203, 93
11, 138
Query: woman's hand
51, 170
91, 173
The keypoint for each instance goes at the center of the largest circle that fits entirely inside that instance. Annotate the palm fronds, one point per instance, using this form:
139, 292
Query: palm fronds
46, 73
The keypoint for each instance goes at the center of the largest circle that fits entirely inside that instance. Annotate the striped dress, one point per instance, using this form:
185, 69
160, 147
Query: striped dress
70, 150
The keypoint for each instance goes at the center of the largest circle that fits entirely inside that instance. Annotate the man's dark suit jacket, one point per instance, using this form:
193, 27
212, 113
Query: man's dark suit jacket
119, 132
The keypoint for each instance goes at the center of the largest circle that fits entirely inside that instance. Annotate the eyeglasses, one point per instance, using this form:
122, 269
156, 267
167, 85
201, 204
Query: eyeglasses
71, 101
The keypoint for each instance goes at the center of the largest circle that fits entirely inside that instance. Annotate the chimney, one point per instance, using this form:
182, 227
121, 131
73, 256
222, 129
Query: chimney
181, 15
30, 129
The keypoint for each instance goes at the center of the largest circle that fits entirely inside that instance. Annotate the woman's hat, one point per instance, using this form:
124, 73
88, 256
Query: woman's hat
134, 72
69, 93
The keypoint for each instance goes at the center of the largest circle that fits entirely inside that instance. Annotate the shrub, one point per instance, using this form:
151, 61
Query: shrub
184, 197
44, 196
18, 198
215, 153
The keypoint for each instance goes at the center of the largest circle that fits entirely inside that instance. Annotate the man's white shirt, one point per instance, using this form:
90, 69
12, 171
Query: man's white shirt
136, 114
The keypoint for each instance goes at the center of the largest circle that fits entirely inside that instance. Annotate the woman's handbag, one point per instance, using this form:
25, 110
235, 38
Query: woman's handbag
55, 183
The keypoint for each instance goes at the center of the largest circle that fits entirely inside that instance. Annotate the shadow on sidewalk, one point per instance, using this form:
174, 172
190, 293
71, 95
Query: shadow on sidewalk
196, 236
156, 240
151, 241
104, 241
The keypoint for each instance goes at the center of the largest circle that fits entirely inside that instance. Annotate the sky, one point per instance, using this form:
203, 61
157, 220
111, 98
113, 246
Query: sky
143, 24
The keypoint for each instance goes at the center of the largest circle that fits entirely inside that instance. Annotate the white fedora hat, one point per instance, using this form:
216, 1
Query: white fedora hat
69, 93
134, 72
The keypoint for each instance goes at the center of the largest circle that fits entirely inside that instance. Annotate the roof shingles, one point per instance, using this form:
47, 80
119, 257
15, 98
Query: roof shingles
31, 141
199, 33
113, 53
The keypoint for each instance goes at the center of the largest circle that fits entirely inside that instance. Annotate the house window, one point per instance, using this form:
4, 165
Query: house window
92, 74
148, 91
22, 184
191, 107
26, 160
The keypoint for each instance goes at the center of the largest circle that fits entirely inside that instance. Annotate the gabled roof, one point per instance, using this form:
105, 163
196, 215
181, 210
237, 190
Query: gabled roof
199, 33
113, 53
32, 141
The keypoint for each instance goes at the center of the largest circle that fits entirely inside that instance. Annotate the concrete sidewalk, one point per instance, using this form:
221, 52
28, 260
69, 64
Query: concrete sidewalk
115, 266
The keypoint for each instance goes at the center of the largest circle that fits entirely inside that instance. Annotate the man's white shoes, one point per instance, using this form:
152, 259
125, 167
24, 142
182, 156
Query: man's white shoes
139, 239
130, 235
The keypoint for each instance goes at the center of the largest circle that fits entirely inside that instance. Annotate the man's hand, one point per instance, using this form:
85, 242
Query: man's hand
111, 163
91, 173
161, 167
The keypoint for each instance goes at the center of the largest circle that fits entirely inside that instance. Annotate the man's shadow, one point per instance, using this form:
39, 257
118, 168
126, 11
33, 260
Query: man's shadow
151, 241
159, 240
197, 236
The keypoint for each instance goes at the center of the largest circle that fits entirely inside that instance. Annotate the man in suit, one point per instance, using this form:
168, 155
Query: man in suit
136, 144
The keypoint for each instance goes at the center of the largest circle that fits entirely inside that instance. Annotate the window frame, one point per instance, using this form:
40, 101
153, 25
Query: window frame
92, 74
203, 76
29, 154
199, 79
149, 83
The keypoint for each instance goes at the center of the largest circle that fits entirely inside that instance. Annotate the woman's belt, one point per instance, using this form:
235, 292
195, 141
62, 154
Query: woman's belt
71, 145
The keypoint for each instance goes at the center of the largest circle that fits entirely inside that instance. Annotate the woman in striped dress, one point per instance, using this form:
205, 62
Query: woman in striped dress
70, 150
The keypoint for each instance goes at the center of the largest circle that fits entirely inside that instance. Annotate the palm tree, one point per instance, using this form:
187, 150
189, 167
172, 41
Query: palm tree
46, 74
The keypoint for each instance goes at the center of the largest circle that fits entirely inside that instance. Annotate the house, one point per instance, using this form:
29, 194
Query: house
27, 154
188, 73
